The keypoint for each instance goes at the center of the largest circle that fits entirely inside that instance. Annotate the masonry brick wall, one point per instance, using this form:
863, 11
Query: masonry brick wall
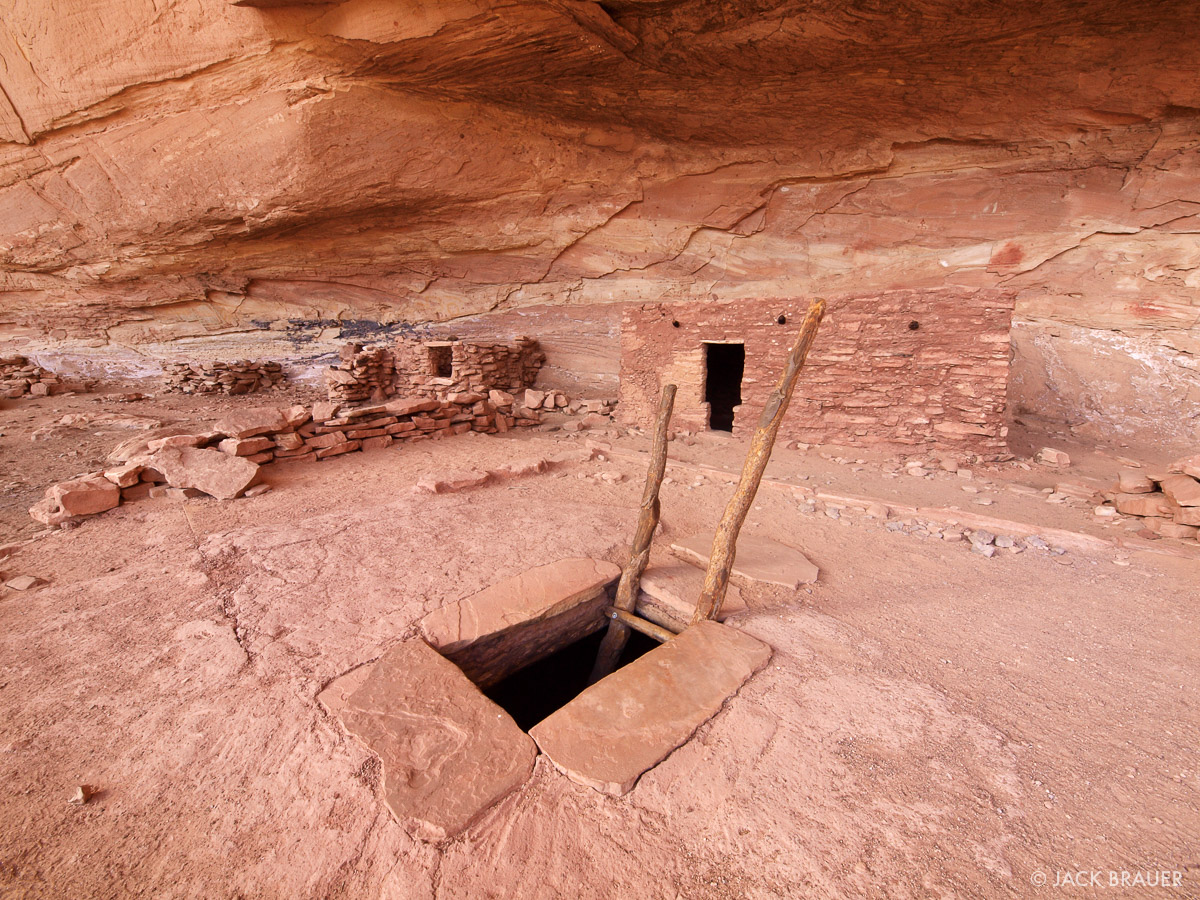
903, 367
473, 366
238, 377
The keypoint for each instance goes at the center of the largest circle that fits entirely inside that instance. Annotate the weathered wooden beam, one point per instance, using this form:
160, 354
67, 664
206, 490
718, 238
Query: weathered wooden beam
720, 560
637, 623
639, 554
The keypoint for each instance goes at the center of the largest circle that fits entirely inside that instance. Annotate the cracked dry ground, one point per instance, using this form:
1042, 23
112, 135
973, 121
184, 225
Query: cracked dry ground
932, 723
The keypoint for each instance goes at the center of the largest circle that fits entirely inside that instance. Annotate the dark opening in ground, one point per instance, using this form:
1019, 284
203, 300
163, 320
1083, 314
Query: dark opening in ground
723, 367
441, 363
547, 685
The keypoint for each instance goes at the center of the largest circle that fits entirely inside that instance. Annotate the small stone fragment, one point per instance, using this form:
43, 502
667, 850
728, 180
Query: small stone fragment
982, 537
22, 582
83, 793
1048, 456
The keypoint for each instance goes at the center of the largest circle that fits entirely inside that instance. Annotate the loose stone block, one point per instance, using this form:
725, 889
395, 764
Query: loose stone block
247, 447
325, 441
1181, 489
448, 753
377, 443
756, 559
407, 406
339, 449
217, 474
250, 423
179, 440
1189, 465
85, 496
1134, 481
669, 592
1048, 456
124, 476
1153, 504
627, 723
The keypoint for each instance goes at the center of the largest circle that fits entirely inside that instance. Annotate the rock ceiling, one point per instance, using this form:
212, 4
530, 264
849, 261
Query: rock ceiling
174, 168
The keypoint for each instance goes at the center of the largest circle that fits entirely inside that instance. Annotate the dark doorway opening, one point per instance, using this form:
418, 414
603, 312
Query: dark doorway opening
533, 693
441, 362
724, 365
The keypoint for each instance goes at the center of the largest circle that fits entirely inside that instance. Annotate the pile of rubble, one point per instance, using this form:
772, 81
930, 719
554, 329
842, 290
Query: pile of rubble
1166, 503
223, 461
240, 377
361, 375
19, 377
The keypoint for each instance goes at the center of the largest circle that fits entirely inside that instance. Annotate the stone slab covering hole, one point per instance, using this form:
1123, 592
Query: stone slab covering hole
538, 690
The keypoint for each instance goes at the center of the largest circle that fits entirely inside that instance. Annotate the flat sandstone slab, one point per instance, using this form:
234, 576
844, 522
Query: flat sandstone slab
630, 721
669, 592
448, 752
537, 593
757, 559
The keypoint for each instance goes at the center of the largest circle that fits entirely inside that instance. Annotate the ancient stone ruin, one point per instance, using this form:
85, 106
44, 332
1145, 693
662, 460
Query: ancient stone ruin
438, 368
627, 449
21, 378
906, 368
240, 377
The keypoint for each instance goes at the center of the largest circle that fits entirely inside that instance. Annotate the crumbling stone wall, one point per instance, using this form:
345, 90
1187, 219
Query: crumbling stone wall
439, 368
222, 459
902, 367
361, 375
20, 377
239, 377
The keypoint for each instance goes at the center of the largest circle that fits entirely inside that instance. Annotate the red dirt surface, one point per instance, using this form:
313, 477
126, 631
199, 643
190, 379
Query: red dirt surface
933, 723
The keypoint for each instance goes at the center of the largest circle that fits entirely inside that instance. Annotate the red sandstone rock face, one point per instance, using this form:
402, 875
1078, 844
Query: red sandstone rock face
198, 169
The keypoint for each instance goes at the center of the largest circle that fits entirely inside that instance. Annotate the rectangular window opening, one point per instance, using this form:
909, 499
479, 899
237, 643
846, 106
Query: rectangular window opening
441, 362
724, 365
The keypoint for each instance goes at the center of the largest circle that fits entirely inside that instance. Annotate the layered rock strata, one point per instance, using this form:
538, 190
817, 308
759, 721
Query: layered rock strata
254, 178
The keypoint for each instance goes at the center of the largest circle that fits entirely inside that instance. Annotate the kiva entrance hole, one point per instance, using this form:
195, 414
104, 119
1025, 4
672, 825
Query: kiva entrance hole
724, 365
531, 694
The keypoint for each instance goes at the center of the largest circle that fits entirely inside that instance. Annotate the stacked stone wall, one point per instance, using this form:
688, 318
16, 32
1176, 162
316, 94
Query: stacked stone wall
21, 378
239, 377
903, 367
424, 369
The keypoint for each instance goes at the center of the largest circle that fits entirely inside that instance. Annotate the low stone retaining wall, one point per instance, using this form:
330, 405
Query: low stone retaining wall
241, 377
223, 461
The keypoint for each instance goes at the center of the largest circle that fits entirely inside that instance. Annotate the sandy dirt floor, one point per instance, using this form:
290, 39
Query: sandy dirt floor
933, 722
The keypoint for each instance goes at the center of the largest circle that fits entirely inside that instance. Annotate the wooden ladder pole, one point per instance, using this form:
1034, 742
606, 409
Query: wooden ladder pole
724, 546
639, 555
637, 623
